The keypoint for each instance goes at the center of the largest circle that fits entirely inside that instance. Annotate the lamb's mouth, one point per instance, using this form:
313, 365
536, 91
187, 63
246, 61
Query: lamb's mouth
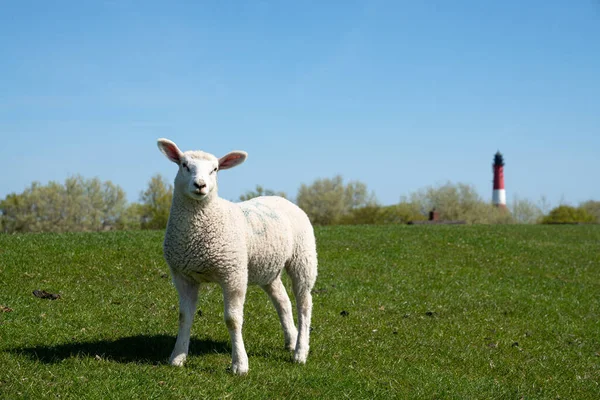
198, 194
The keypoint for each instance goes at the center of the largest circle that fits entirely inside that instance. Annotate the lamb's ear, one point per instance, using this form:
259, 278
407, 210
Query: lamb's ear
232, 159
170, 150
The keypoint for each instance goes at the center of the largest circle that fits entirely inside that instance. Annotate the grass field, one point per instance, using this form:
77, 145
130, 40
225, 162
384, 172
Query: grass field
399, 312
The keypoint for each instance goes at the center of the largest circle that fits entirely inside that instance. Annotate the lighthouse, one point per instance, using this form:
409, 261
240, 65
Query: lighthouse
499, 195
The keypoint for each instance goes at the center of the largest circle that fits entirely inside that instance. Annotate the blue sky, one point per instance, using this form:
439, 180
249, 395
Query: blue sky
397, 94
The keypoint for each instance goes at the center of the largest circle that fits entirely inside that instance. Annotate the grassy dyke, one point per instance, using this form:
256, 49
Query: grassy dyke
399, 312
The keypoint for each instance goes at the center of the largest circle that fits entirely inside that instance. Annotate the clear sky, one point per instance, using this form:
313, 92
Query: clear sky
397, 94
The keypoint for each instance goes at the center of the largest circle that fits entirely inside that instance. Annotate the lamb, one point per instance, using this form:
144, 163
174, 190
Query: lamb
210, 239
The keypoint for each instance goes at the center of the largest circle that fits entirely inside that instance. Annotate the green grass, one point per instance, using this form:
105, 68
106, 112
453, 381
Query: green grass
431, 312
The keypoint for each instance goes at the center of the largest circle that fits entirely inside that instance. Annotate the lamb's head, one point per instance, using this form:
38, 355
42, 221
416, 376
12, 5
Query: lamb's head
197, 175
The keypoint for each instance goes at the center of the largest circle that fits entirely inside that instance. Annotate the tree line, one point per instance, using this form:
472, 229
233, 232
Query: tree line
81, 205
92, 205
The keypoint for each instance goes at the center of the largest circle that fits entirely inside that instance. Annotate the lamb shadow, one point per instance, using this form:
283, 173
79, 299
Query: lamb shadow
147, 349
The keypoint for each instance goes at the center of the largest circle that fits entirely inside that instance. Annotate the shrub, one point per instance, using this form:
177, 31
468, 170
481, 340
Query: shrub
400, 213
328, 201
592, 207
78, 205
525, 212
568, 215
155, 203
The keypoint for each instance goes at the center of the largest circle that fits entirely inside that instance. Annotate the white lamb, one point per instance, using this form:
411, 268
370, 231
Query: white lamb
209, 239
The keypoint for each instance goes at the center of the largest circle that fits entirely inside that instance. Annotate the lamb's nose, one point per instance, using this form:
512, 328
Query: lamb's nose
200, 185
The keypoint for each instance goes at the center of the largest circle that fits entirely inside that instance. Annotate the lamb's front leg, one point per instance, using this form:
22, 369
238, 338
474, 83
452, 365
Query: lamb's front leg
234, 294
188, 297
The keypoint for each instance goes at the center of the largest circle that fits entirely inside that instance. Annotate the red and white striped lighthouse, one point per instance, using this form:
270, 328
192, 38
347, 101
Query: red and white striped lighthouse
499, 196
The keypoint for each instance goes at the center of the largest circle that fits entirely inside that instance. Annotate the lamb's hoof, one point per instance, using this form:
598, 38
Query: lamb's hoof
291, 343
300, 356
178, 360
239, 369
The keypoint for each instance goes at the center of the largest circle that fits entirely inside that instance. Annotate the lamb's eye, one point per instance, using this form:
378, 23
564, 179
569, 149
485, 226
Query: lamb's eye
187, 168
214, 170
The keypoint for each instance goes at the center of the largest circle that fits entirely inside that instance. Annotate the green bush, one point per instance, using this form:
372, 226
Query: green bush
401, 213
367, 215
592, 207
155, 203
328, 201
568, 215
77, 205
524, 211
379, 215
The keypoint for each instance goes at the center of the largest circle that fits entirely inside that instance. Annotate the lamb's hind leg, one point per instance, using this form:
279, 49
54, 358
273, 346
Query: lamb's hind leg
303, 277
304, 306
188, 297
281, 301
